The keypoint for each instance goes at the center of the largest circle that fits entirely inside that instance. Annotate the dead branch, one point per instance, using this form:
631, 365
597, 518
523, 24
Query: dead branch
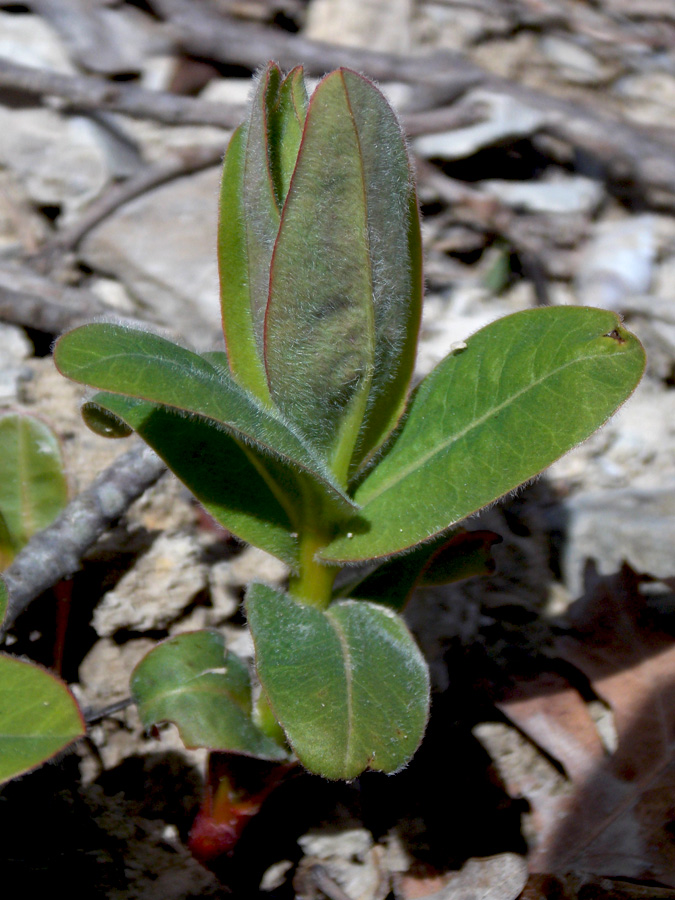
32, 300
86, 92
56, 552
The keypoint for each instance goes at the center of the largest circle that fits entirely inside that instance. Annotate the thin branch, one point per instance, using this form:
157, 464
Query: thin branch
87, 92
56, 552
33, 301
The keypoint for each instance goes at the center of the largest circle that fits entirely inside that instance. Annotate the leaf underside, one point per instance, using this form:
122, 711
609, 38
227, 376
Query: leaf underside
526, 389
192, 681
138, 364
348, 684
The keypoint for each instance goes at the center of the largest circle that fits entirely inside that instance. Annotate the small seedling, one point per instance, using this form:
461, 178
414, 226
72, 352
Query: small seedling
38, 715
304, 439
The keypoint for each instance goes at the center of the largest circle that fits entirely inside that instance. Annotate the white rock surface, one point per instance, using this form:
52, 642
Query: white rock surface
382, 25
162, 247
15, 348
30, 41
505, 117
58, 160
156, 590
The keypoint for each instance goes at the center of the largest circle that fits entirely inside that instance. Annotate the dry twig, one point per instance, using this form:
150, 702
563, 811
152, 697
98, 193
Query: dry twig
56, 552
86, 92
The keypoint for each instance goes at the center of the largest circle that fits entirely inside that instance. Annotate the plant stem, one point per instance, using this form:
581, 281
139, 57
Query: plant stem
313, 584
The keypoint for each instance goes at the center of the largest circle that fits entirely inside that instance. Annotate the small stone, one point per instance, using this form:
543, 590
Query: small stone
156, 590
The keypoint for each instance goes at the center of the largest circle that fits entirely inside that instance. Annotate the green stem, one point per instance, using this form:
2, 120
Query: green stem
313, 584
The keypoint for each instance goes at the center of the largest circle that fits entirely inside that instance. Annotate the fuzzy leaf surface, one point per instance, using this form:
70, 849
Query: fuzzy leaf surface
120, 360
348, 684
526, 389
194, 682
38, 717
33, 487
216, 468
345, 283
244, 357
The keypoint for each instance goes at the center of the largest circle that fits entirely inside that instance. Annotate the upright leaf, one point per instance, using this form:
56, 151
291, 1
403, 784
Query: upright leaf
319, 325
345, 285
260, 198
33, 487
348, 684
117, 359
194, 682
524, 391
38, 717
244, 356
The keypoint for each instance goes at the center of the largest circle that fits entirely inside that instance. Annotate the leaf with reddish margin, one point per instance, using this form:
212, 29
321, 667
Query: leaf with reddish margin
345, 284
194, 682
525, 390
38, 717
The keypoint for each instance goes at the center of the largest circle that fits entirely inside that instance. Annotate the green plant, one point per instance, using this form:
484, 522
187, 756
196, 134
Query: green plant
303, 437
38, 715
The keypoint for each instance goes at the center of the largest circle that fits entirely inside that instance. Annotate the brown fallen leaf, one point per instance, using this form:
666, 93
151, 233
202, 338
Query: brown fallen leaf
621, 817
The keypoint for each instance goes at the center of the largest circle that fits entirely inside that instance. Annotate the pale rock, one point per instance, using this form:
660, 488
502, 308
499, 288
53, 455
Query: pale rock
22, 227
58, 160
572, 194
618, 262
105, 671
505, 118
159, 143
231, 91
15, 349
616, 526
574, 63
382, 25
650, 96
162, 247
156, 590
350, 859
28, 40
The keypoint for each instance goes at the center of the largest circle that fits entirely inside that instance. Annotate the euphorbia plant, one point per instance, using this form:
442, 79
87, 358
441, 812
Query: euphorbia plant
304, 439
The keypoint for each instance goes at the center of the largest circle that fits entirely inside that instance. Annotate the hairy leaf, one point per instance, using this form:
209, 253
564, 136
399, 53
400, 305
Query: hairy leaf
348, 684
38, 717
345, 284
33, 487
232, 484
194, 682
524, 391
116, 359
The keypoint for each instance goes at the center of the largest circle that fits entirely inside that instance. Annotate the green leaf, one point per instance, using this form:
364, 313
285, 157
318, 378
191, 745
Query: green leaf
120, 360
4, 600
261, 202
345, 282
223, 474
194, 682
38, 717
348, 684
524, 391
446, 559
244, 357
33, 487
